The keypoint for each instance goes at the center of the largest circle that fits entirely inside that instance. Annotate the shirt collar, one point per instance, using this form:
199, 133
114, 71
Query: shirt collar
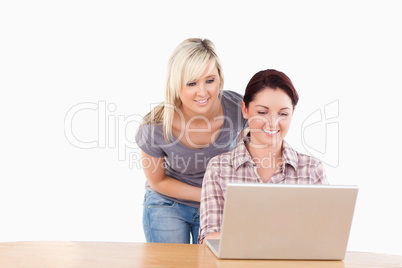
240, 154
289, 156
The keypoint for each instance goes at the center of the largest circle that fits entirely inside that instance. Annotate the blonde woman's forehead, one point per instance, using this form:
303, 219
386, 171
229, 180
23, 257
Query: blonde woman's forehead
209, 70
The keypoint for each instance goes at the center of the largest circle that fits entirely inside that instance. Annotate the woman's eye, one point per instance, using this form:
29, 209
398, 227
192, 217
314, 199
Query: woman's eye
209, 81
283, 114
191, 84
262, 113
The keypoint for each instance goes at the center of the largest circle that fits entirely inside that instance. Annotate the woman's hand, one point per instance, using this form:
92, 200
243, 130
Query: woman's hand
216, 235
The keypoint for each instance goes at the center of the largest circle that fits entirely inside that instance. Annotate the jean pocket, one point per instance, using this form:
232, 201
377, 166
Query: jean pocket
154, 200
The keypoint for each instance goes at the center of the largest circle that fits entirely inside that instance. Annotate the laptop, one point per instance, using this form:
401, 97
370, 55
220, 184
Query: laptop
278, 221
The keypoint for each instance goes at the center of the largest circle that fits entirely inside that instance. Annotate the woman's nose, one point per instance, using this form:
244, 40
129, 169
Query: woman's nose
271, 121
201, 91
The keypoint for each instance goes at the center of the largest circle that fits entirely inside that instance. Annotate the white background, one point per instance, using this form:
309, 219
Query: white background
55, 55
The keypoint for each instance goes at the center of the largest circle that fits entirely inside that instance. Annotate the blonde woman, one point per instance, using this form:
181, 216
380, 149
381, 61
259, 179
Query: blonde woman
197, 121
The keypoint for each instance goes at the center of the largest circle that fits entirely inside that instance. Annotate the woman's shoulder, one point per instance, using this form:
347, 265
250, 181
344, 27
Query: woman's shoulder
231, 102
147, 132
307, 159
308, 168
229, 95
150, 128
298, 158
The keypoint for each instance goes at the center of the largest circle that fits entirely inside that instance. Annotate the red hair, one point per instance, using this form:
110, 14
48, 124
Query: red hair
272, 79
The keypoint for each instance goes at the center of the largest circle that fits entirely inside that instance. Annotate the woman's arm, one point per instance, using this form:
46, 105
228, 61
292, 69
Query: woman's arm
155, 173
216, 235
212, 201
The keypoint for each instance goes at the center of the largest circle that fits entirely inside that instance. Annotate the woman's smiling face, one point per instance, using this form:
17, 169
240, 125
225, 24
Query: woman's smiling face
200, 96
269, 116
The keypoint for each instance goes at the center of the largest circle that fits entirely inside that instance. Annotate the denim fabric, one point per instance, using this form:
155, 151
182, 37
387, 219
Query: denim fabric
166, 221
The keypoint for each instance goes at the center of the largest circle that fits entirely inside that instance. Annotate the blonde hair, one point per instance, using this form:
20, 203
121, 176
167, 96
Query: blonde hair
188, 62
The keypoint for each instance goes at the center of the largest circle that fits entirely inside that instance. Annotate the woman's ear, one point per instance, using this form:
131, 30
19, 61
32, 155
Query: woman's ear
244, 110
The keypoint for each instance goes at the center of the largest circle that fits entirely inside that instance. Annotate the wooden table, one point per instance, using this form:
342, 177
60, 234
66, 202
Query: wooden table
121, 255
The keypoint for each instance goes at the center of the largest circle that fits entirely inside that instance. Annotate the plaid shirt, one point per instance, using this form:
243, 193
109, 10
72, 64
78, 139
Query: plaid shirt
237, 166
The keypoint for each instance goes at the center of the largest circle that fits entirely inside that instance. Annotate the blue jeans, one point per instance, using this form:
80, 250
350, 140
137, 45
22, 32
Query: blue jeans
166, 221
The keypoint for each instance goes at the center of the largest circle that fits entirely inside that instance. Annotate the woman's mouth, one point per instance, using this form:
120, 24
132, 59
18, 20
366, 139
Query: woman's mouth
271, 132
202, 102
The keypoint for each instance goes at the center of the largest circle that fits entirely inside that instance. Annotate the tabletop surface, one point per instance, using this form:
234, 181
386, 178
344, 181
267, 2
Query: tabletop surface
119, 254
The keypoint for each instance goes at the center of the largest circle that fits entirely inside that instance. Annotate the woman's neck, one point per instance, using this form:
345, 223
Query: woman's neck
265, 156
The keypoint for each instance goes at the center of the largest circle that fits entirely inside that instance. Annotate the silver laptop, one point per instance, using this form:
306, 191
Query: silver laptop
277, 221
